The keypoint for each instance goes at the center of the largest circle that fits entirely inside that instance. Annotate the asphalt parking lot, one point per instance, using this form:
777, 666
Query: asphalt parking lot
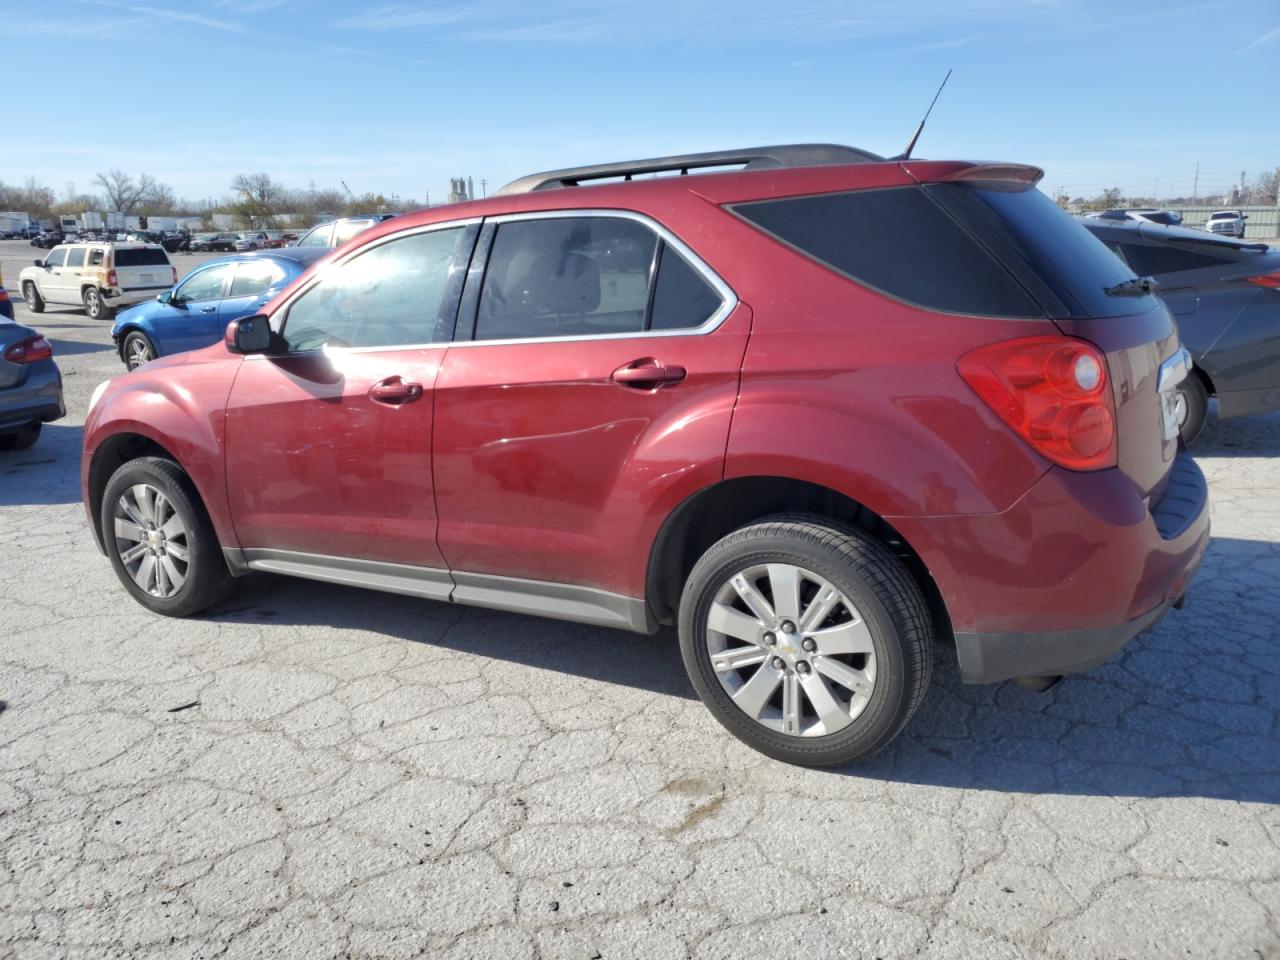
314, 771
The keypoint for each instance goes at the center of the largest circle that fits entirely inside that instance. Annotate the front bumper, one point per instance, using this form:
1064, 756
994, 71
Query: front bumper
1064, 578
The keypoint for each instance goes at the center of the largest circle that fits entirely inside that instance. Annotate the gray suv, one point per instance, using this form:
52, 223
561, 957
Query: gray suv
335, 233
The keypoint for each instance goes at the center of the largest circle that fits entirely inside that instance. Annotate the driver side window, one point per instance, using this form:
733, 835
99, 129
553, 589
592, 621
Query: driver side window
205, 285
393, 294
57, 258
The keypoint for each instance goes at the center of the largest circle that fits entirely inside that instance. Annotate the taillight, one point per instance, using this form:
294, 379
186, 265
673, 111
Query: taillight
29, 350
111, 279
4, 295
1053, 392
174, 270
1271, 280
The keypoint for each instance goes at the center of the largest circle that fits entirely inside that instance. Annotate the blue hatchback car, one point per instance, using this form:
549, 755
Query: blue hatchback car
197, 310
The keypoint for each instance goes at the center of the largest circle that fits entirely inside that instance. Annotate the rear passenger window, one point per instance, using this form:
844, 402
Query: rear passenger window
898, 242
95, 258
1155, 260
573, 276
588, 276
254, 276
392, 294
75, 257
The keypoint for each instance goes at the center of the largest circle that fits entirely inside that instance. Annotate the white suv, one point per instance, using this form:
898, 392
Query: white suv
98, 276
1226, 223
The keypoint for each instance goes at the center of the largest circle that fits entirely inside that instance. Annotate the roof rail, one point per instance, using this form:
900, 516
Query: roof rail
749, 158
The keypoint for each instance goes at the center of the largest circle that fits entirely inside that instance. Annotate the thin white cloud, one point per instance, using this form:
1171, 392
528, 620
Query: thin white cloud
177, 16
398, 17
1254, 44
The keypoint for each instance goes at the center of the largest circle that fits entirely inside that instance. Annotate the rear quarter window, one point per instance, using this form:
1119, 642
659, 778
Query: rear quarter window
899, 242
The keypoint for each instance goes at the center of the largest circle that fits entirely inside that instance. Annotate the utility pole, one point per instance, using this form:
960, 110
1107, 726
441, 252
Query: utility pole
484, 184
1195, 186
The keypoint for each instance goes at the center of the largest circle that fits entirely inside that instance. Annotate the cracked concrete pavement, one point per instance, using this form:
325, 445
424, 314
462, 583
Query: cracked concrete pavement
364, 775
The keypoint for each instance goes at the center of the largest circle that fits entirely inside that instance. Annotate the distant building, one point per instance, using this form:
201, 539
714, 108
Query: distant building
223, 221
460, 189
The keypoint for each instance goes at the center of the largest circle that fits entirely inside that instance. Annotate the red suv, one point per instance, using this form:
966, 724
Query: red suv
817, 411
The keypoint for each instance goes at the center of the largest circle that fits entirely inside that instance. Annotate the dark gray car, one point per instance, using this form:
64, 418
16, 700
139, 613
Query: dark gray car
30, 386
1225, 295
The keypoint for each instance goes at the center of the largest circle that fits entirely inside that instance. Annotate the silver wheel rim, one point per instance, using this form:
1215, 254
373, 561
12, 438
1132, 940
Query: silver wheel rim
791, 650
1180, 408
151, 540
139, 352
91, 302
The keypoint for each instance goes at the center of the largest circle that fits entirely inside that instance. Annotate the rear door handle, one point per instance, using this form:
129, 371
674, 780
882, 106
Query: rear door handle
395, 391
648, 372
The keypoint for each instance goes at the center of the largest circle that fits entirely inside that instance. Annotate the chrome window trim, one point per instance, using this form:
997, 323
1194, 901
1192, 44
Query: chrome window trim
283, 311
728, 298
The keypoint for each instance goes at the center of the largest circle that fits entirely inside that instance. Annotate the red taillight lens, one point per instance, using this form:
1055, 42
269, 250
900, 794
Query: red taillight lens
4, 295
1053, 392
111, 279
1271, 280
175, 274
29, 350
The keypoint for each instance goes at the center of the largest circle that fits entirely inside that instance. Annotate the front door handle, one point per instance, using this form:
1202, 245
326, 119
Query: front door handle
648, 372
208, 309
395, 391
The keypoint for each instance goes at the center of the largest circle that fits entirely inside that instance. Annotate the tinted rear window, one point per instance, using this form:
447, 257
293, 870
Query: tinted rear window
141, 257
1153, 261
1038, 240
900, 242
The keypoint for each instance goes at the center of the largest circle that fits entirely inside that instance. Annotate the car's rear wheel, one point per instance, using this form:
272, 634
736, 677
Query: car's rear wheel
20, 439
1191, 407
137, 349
160, 540
94, 305
807, 639
35, 302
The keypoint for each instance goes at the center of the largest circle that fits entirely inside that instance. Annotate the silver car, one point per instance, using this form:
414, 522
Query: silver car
30, 386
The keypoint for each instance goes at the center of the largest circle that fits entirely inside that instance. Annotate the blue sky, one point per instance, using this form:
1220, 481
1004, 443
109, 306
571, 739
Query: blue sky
398, 97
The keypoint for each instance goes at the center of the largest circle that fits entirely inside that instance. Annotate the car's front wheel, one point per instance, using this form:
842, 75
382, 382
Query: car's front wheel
160, 540
137, 350
35, 302
94, 305
807, 639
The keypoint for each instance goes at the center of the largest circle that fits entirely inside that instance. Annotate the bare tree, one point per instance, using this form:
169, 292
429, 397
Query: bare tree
258, 197
125, 194
1266, 188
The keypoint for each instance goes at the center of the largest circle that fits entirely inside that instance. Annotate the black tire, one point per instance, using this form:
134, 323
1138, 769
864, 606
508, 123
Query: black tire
887, 599
20, 439
1195, 400
95, 305
35, 302
137, 349
207, 579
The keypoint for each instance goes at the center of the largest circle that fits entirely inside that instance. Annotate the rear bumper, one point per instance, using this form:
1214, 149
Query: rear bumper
1064, 578
38, 399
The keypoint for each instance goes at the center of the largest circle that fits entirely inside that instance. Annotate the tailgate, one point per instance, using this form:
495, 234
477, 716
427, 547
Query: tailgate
146, 269
1136, 346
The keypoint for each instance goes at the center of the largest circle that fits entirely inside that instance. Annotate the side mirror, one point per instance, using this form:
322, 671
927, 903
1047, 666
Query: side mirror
39, 263
165, 297
248, 335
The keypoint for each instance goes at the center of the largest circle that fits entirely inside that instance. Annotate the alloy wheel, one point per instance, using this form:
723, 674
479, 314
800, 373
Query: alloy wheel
791, 650
138, 352
151, 540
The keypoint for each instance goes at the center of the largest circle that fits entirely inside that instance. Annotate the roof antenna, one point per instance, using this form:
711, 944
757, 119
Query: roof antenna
906, 154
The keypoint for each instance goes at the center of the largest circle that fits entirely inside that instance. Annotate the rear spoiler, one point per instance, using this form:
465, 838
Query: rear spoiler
956, 171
